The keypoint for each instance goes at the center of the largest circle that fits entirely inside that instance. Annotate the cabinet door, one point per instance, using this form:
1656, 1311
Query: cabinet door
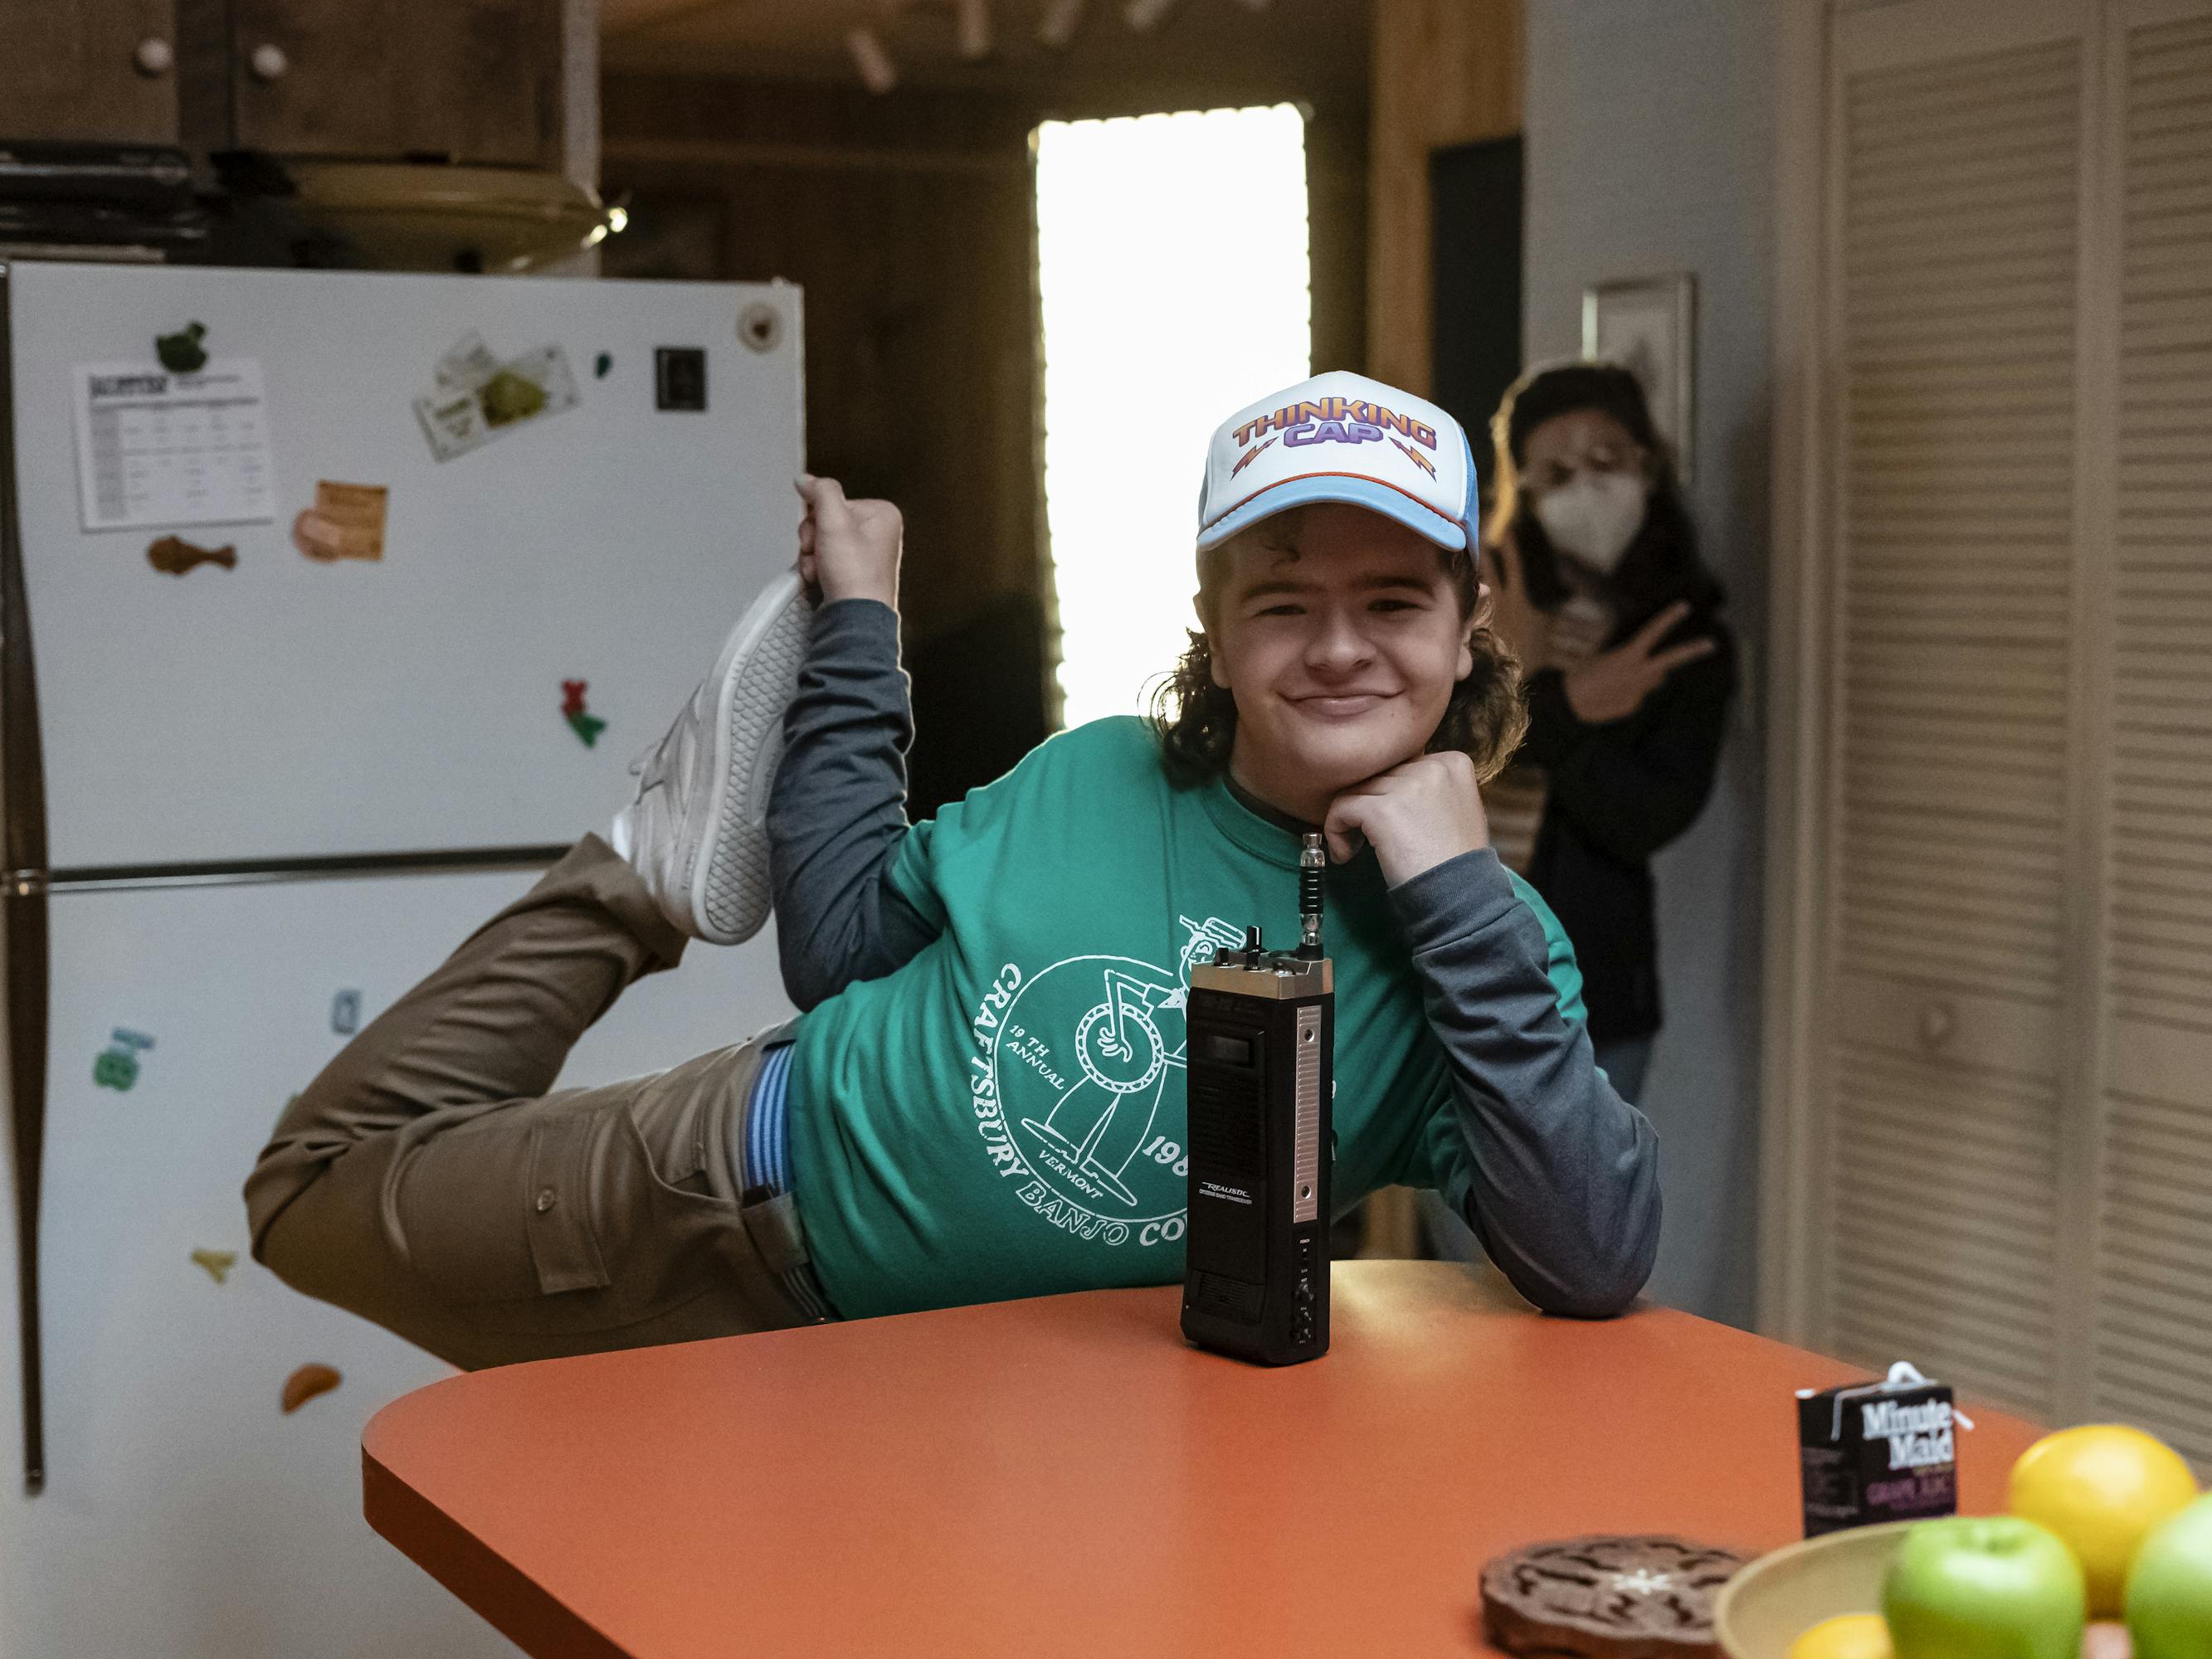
2154, 1326
479, 79
98, 71
1955, 203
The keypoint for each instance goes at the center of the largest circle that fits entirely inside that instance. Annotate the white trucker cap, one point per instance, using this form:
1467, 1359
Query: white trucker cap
1339, 437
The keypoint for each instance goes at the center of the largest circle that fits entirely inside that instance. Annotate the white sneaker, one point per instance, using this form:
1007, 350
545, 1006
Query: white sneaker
697, 831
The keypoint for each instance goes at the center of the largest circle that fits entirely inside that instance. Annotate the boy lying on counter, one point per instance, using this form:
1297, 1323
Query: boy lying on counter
983, 1096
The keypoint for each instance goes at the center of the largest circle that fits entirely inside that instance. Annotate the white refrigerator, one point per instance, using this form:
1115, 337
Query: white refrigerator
261, 772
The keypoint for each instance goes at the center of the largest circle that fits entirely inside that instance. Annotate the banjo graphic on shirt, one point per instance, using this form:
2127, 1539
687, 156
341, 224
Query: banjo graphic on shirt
1091, 1134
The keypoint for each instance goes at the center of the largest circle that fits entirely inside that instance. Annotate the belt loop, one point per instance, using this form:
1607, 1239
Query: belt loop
783, 1030
773, 1227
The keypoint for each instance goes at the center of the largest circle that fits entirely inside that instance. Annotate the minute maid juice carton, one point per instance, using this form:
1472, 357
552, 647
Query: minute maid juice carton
1878, 1451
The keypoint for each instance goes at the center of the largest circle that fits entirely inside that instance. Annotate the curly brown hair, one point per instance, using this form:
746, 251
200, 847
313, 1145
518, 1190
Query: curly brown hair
1194, 720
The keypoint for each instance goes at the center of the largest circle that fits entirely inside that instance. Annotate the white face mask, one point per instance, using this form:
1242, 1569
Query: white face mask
1595, 516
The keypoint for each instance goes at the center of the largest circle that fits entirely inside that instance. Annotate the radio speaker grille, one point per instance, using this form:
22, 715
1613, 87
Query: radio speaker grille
1225, 1133
1225, 1298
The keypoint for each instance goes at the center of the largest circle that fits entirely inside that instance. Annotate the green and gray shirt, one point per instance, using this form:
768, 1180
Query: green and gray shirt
987, 1089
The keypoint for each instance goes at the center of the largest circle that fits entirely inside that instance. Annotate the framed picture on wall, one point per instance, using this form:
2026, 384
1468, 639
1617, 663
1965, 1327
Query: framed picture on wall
1647, 324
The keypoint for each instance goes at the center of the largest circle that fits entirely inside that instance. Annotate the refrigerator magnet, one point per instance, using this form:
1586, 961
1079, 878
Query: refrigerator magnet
479, 397
305, 1384
585, 724
467, 364
679, 378
346, 522
172, 555
116, 1066
345, 1012
217, 1264
181, 353
453, 420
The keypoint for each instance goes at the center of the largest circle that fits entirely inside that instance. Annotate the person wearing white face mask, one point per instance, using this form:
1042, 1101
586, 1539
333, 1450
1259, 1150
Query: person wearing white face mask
1600, 591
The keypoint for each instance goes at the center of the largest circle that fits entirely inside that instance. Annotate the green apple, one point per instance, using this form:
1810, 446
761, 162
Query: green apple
1994, 1588
2170, 1588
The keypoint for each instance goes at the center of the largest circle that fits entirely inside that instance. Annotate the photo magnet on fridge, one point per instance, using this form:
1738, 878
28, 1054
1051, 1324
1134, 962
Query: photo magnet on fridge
535, 383
453, 421
479, 397
467, 364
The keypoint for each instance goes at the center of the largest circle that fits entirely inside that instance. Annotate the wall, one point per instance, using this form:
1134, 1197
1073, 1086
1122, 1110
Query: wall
1649, 126
906, 219
1443, 72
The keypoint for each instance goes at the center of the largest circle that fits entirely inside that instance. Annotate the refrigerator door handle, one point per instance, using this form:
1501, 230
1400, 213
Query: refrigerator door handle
22, 908
25, 914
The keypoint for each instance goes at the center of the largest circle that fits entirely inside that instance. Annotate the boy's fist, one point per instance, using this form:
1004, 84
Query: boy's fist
847, 549
1415, 815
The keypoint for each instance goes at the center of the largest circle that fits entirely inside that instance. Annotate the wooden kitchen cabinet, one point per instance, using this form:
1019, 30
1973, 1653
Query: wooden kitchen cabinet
476, 79
101, 71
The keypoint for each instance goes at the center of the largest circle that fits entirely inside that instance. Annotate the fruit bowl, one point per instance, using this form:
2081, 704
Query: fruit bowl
1778, 1597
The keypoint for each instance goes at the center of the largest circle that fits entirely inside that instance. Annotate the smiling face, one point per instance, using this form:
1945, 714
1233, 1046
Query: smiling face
1340, 636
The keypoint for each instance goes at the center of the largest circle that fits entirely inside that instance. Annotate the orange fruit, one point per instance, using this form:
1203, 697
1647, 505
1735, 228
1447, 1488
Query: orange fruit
1848, 1636
2102, 1488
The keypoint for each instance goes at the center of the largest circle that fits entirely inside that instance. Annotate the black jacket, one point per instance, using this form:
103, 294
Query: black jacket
1617, 794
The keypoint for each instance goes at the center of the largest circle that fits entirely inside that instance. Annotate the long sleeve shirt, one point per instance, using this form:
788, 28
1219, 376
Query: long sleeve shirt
987, 1088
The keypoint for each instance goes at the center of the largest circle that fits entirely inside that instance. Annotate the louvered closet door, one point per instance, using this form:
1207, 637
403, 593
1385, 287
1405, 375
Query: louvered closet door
1954, 200
2153, 1359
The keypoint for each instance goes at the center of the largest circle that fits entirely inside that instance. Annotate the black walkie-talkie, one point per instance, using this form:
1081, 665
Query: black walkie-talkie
1261, 1034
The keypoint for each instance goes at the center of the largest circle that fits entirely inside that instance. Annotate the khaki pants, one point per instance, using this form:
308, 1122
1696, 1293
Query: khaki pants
429, 1182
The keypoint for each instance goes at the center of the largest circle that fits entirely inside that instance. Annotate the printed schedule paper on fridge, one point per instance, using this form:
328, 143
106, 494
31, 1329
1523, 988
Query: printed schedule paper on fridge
155, 448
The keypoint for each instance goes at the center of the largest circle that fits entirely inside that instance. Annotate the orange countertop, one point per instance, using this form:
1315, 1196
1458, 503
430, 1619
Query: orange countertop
1065, 1475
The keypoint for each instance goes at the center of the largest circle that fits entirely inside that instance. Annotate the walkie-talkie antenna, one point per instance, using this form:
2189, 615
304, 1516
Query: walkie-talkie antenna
1313, 859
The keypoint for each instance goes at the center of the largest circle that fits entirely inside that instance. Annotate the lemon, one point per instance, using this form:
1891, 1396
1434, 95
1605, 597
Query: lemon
1849, 1636
2102, 1488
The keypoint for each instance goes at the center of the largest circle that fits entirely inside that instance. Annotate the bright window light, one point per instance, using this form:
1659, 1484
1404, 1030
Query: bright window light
1172, 264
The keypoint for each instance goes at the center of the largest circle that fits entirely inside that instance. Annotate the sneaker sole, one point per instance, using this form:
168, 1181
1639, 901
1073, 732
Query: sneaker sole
730, 890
